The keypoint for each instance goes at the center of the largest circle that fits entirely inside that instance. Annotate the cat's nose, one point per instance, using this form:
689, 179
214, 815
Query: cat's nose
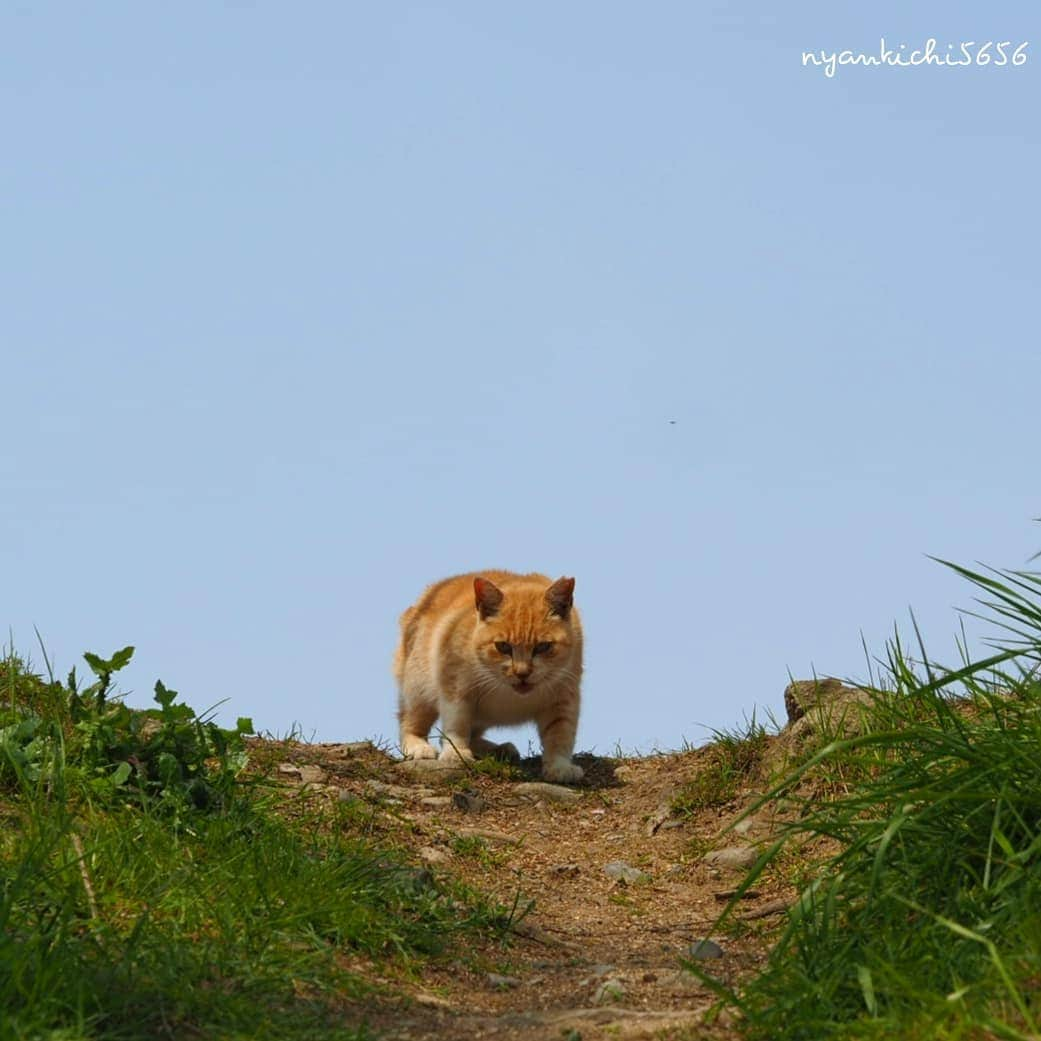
522, 670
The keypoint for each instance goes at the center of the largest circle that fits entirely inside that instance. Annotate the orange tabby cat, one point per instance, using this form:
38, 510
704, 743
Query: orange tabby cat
487, 650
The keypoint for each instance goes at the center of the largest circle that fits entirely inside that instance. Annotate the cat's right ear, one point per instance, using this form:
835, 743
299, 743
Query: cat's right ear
488, 597
560, 596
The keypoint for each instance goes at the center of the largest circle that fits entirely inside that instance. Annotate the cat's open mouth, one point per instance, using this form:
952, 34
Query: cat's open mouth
523, 686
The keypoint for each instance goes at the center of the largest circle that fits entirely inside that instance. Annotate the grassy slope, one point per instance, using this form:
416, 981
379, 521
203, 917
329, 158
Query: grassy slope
171, 898
926, 921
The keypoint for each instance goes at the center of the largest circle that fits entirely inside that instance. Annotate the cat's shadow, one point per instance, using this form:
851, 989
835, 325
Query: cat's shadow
599, 771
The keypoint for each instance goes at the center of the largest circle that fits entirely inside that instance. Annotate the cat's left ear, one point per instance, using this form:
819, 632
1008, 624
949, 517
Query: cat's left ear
488, 597
560, 596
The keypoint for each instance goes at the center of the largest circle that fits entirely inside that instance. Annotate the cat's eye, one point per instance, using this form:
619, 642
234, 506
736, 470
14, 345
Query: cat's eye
503, 648
542, 648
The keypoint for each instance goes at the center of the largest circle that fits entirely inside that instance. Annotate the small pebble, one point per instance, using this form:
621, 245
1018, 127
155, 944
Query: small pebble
502, 982
733, 857
625, 872
491, 835
610, 990
549, 792
432, 855
705, 950
469, 802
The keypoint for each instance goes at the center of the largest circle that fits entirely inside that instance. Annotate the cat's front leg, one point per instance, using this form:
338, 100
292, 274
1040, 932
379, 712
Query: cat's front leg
457, 727
557, 728
417, 716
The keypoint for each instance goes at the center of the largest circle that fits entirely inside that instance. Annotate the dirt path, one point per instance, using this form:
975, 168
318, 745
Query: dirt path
596, 956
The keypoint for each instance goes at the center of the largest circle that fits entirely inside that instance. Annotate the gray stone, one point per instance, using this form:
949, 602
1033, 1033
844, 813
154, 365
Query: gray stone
396, 791
436, 802
490, 834
549, 792
658, 818
825, 706
469, 802
431, 769
432, 855
502, 982
733, 858
612, 989
801, 695
705, 950
303, 772
623, 872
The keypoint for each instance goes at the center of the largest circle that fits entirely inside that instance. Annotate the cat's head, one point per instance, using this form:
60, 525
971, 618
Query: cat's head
525, 635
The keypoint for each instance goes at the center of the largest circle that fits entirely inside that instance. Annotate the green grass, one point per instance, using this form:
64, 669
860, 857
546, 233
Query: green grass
926, 921
494, 768
148, 890
732, 759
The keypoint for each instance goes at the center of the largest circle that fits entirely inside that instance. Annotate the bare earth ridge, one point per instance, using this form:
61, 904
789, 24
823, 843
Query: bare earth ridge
622, 887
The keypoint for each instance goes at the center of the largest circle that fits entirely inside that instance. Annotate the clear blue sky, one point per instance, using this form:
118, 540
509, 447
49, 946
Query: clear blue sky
308, 305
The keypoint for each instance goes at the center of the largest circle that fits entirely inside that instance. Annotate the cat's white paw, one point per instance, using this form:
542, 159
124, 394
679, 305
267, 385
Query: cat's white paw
417, 748
562, 771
